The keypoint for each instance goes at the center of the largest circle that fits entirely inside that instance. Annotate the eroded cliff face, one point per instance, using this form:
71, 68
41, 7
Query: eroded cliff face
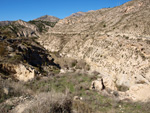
123, 59
113, 41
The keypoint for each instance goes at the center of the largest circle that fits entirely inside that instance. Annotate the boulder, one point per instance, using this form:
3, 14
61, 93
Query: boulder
104, 82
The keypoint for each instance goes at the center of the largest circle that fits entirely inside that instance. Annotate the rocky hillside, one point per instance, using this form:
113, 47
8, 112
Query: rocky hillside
113, 41
89, 62
20, 28
127, 18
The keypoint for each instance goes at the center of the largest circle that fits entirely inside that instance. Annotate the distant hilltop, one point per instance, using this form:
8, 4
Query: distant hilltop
3, 23
48, 18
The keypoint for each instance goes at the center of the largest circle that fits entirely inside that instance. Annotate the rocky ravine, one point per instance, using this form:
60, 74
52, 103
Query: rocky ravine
113, 41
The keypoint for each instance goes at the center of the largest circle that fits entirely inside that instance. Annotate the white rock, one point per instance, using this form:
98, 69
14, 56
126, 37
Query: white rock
23, 73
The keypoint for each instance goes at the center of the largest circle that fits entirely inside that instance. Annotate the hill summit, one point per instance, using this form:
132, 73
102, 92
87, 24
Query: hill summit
48, 18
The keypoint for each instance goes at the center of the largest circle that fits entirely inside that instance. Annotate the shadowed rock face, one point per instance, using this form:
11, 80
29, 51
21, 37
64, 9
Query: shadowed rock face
113, 41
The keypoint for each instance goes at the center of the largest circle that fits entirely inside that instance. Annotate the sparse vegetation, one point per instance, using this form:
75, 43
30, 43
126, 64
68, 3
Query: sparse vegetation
55, 94
9, 89
78, 85
41, 24
51, 102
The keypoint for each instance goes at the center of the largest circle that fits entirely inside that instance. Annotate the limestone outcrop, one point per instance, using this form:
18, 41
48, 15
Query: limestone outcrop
19, 71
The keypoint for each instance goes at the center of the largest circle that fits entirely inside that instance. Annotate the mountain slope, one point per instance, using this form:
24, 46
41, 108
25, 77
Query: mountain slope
123, 19
113, 41
20, 28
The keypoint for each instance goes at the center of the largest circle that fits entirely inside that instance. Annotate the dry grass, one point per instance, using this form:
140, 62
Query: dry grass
78, 85
81, 107
9, 89
52, 97
51, 102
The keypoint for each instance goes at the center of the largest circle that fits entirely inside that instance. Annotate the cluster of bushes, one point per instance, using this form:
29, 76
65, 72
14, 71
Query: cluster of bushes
51, 102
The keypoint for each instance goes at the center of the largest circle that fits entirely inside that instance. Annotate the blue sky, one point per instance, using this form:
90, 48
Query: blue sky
31, 9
